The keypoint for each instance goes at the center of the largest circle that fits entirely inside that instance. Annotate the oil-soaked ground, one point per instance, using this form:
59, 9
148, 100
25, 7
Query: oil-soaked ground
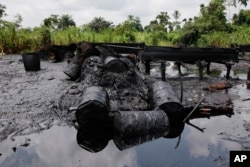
36, 127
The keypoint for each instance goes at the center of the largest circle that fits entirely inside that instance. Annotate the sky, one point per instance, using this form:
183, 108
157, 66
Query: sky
33, 12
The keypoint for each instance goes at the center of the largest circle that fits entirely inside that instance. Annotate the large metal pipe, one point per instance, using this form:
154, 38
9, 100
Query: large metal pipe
189, 56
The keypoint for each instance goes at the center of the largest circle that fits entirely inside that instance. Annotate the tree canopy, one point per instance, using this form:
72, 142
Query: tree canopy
2, 10
98, 24
59, 22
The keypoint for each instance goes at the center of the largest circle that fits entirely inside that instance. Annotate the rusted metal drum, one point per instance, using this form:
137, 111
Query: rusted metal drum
114, 64
163, 96
73, 71
31, 61
94, 107
133, 123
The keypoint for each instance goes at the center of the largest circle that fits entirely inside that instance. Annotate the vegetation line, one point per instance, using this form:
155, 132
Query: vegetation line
210, 28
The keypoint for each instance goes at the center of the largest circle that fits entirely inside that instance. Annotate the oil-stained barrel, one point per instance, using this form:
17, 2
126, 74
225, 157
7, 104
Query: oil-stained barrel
94, 107
73, 71
163, 96
134, 123
114, 64
31, 61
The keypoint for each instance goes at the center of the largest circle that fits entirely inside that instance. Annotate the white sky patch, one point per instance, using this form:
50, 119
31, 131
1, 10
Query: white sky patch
117, 11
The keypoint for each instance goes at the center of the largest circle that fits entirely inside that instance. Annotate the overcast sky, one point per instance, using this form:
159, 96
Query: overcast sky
83, 11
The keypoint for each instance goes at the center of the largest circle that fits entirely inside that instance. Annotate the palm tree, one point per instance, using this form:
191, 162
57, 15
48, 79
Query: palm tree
52, 21
134, 22
130, 18
233, 2
230, 3
2, 10
66, 21
163, 18
99, 23
176, 16
243, 2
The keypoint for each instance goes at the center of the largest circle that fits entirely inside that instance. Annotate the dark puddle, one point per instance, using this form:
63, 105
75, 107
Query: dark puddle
58, 146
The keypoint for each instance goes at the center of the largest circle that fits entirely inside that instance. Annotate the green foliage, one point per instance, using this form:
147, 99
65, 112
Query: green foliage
157, 36
163, 19
58, 22
66, 21
223, 39
209, 28
243, 18
99, 24
173, 37
131, 24
161, 23
154, 26
51, 22
212, 17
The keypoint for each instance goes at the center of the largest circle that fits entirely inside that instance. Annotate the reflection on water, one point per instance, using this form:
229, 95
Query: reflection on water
95, 139
58, 147
66, 146
192, 71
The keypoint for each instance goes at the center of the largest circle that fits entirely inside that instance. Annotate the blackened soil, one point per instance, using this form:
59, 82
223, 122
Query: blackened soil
29, 100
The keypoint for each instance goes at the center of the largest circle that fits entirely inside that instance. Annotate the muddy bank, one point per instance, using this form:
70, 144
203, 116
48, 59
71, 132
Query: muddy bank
29, 99
35, 101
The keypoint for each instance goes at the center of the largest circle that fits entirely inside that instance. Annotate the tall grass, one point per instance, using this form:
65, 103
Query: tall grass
13, 40
241, 35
